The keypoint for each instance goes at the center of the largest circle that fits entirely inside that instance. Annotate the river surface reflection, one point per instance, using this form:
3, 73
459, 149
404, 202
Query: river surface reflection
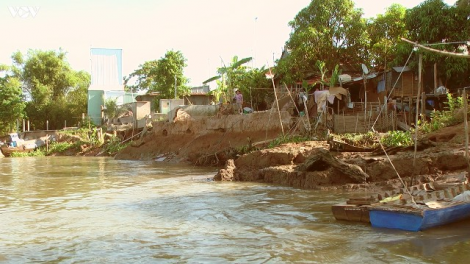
100, 210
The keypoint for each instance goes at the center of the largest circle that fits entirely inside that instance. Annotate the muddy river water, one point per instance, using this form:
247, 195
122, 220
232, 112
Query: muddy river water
100, 210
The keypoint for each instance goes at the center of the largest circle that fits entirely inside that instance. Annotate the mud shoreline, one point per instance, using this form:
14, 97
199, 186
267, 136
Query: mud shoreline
307, 165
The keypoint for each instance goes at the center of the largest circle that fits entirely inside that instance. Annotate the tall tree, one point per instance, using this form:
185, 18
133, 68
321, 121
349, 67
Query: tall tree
159, 76
11, 100
77, 97
47, 79
385, 32
463, 3
330, 31
433, 22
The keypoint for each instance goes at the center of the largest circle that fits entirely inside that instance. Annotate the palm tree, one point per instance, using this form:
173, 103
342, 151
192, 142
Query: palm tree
228, 74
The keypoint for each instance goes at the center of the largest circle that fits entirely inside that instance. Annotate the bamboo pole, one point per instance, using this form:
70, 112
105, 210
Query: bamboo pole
417, 108
357, 121
465, 108
293, 101
365, 101
460, 55
277, 101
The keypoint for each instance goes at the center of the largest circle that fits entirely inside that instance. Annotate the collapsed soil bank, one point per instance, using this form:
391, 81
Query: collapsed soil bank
310, 165
206, 140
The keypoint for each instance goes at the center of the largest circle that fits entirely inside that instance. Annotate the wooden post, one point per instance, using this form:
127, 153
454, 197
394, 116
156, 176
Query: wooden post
357, 121
465, 109
277, 102
410, 103
423, 105
365, 101
435, 78
417, 108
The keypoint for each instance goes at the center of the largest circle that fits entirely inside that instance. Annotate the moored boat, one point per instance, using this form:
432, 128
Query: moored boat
14, 144
443, 207
424, 206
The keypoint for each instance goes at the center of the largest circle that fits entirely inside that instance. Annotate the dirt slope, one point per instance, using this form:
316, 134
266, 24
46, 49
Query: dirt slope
215, 141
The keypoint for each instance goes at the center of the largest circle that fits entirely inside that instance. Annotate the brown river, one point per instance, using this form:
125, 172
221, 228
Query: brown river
100, 210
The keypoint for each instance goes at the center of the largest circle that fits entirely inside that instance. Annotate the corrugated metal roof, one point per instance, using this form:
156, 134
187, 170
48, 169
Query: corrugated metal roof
402, 68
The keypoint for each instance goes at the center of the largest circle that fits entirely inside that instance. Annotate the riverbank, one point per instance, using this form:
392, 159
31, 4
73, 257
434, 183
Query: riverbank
216, 141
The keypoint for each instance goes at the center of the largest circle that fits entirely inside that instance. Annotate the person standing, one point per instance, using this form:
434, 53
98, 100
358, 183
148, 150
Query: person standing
239, 101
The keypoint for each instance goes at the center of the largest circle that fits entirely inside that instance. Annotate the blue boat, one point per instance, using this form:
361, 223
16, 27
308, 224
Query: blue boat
418, 218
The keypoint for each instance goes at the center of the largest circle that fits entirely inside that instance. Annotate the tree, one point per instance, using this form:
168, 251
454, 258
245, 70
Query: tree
229, 74
463, 3
11, 101
77, 97
330, 31
385, 32
433, 22
253, 84
159, 75
47, 79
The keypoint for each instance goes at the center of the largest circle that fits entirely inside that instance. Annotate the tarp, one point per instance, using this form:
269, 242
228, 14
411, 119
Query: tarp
321, 97
338, 91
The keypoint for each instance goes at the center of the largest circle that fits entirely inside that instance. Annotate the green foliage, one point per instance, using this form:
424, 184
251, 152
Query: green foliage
59, 147
440, 119
330, 31
454, 103
334, 79
159, 76
435, 22
385, 32
288, 139
115, 145
54, 93
368, 139
230, 76
397, 138
111, 108
84, 135
35, 153
250, 82
11, 102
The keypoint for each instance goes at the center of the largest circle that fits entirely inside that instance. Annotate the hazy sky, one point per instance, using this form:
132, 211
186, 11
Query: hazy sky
207, 32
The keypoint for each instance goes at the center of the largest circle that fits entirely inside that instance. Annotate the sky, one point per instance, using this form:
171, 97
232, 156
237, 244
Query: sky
207, 32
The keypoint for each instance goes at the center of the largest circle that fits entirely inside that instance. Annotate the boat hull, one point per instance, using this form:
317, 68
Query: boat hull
7, 151
417, 221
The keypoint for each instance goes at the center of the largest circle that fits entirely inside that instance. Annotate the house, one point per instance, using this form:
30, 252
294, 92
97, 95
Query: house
106, 82
199, 95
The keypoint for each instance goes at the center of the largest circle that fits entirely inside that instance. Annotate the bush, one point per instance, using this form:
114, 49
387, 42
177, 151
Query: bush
35, 153
114, 145
397, 138
441, 119
287, 139
59, 147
